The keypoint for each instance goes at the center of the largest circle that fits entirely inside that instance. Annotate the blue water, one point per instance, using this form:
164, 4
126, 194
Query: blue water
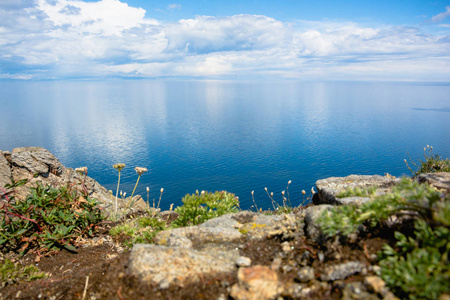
227, 135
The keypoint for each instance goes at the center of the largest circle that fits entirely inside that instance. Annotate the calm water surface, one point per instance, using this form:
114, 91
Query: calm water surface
227, 135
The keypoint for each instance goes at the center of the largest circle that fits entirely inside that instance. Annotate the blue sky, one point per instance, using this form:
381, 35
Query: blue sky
292, 39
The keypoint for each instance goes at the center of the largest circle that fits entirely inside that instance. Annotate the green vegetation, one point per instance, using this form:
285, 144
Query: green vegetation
417, 267
49, 218
139, 230
358, 192
11, 273
197, 208
432, 163
200, 207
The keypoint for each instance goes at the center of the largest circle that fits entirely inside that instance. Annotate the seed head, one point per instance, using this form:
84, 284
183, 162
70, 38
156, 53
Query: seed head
202, 192
271, 194
140, 170
81, 171
303, 192
121, 194
119, 167
312, 191
265, 189
171, 206
282, 193
148, 189
125, 194
253, 192
162, 190
289, 182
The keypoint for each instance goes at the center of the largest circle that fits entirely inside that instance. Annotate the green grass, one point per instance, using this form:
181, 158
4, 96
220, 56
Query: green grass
140, 230
11, 273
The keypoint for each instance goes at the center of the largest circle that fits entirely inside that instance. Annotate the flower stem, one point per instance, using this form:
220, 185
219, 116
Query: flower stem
117, 193
133, 192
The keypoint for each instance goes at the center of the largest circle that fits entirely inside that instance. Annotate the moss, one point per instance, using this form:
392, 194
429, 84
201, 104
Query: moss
13, 272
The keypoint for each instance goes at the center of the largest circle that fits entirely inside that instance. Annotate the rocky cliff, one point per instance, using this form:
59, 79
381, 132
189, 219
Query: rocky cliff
39, 165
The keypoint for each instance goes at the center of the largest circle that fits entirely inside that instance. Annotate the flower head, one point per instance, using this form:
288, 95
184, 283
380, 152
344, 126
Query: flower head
289, 182
119, 167
303, 192
282, 193
81, 171
140, 170
253, 192
312, 191
162, 190
148, 189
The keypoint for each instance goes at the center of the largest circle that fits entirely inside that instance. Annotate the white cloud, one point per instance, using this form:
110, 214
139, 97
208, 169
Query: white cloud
73, 38
107, 17
442, 16
174, 6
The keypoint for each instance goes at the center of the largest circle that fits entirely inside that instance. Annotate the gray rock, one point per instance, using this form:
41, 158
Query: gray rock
225, 221
306, 274
312, 213
5, 171
343, 271
355, 291
36, 160
329, 188
243, 261
187, 236
167, 266
440, 180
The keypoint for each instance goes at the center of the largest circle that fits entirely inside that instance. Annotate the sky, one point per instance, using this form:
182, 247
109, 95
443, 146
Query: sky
384, 40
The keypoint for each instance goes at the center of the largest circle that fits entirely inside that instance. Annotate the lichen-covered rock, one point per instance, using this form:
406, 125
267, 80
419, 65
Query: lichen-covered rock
5, 171
168, 266
187, 236
342, 271
329, 188
440, 180
256, 283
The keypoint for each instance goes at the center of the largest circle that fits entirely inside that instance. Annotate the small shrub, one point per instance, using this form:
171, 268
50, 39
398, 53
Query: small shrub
198, 208
49, 218
432, 163
11, 273
417, 267
141, 230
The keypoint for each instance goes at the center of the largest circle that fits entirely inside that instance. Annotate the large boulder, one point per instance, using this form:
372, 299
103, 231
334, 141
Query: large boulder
38, 165
329, 189
167, 266
440, 180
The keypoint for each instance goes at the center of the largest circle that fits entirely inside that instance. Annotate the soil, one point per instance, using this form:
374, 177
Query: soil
99, 269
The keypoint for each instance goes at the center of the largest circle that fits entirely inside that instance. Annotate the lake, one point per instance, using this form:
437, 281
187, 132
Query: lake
237, 136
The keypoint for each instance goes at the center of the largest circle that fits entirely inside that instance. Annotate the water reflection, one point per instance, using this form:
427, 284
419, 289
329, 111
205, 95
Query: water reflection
238, 136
